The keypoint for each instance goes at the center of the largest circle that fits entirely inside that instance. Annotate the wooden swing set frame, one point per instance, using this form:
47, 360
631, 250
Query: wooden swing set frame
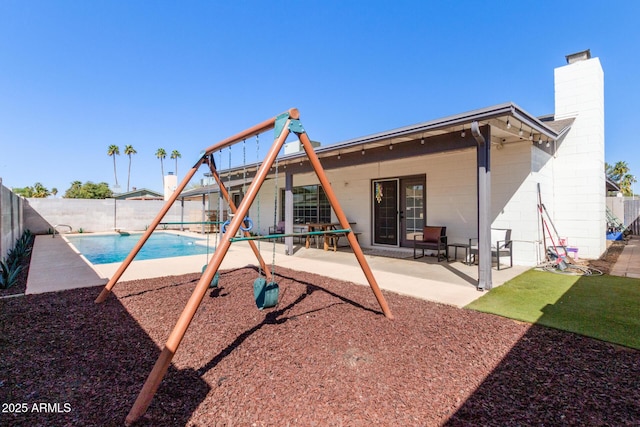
283, 125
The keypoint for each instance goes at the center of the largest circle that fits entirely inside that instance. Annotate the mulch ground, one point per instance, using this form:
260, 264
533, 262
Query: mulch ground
325, 356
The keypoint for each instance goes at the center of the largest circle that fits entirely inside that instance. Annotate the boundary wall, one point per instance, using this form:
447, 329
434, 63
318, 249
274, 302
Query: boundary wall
41, 216
11, 219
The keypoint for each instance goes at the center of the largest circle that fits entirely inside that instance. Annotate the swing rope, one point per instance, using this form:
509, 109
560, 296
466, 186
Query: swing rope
258, 201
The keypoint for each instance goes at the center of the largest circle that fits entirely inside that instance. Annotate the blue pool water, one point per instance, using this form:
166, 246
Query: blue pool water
105, 249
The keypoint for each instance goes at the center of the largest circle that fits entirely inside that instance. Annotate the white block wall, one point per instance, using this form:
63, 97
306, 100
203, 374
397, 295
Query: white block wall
578, 168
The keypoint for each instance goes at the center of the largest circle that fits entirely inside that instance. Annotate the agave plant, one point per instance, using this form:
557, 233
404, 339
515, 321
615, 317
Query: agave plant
9, 274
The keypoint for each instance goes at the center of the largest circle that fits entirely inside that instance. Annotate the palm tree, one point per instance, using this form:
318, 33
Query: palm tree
619, 173
175, 154
129, 150
40, 191
161, 154
54, 191
114, 151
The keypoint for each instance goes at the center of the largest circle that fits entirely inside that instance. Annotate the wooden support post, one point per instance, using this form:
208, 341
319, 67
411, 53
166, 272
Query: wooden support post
344, 222
127, 261
233, 208
162, 364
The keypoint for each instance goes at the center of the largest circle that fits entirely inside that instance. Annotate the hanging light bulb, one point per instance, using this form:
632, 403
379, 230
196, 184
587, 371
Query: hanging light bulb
338, 156
363, 151
422, 141
508, 124
540, 140
548, 144
463, 134
520, 133
531, 136
390, 146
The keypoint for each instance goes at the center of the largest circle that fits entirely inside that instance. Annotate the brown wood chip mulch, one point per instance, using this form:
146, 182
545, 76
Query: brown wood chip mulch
325, 356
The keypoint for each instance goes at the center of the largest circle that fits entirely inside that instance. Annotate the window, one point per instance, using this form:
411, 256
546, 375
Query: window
310, 204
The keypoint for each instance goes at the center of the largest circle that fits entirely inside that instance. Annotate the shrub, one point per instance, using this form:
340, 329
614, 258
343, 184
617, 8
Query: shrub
9, 273
12, 265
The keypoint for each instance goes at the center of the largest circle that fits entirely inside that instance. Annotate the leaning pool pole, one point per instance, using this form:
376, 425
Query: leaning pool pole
344, 223
156, 221
175, 338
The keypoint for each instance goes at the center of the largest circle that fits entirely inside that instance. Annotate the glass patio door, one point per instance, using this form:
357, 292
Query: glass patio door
385, 212
412, 212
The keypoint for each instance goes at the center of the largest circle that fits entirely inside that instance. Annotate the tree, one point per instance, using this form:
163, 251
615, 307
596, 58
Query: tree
175, 154
54, 191
24, 191
161, 154
620, 174
114, 151
129, 151
38, 191
88, 190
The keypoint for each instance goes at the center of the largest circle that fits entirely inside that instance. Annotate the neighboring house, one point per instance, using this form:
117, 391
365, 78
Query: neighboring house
392, 183
139, 194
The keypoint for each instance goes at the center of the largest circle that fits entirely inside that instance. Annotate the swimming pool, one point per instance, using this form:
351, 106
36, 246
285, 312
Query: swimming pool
108, 248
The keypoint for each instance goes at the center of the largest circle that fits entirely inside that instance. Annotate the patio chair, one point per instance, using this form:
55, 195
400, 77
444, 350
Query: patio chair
501, 245
432, 238
278, 229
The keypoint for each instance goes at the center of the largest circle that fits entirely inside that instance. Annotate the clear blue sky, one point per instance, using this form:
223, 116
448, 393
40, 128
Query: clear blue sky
78, 76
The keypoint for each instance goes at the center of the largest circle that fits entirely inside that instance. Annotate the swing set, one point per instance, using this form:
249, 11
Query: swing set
265, 288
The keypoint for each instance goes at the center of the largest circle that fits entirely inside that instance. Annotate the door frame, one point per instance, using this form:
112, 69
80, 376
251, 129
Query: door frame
401, 208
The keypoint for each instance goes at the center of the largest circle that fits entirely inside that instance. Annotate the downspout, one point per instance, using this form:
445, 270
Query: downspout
484, 206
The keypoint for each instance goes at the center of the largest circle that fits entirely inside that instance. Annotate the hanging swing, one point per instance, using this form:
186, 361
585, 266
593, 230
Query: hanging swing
266, 293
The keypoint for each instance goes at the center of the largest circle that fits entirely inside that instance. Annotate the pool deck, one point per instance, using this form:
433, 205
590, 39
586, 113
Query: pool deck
56, 266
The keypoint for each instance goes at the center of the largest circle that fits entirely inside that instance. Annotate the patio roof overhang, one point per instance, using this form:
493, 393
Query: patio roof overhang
509, 124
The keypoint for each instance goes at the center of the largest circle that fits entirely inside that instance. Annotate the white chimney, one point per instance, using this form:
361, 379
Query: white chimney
170, 185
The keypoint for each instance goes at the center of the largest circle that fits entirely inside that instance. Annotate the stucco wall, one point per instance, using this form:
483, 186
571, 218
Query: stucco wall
41, 215
11, 219
451, 182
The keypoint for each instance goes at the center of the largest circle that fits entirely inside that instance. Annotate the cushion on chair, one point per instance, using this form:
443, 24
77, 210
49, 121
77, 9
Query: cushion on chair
498, 235
431, 234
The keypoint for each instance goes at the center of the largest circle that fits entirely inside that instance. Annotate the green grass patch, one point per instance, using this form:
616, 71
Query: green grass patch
602, 307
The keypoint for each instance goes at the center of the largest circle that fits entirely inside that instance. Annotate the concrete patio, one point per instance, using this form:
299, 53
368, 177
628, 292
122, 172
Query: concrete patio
56, 266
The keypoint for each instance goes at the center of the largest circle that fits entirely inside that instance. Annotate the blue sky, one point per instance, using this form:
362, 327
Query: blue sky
78, 76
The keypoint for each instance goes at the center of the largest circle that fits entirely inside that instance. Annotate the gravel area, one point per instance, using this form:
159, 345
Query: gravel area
325, 356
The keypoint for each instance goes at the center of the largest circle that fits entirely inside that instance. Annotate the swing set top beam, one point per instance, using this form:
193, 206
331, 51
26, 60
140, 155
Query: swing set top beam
277, 236
268, 124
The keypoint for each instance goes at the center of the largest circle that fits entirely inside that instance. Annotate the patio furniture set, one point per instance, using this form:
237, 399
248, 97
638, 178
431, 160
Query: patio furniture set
434, 238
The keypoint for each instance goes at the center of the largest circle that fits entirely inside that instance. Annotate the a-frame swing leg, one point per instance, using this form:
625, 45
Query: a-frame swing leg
156, 221
234, 209
177, 334
342, 218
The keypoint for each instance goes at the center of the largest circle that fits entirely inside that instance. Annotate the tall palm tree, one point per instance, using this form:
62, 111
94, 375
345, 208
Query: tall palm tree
175, 154
129, 151
114, 151
161, 154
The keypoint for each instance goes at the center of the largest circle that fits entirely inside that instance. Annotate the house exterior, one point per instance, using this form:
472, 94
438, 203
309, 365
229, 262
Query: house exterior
482, 169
